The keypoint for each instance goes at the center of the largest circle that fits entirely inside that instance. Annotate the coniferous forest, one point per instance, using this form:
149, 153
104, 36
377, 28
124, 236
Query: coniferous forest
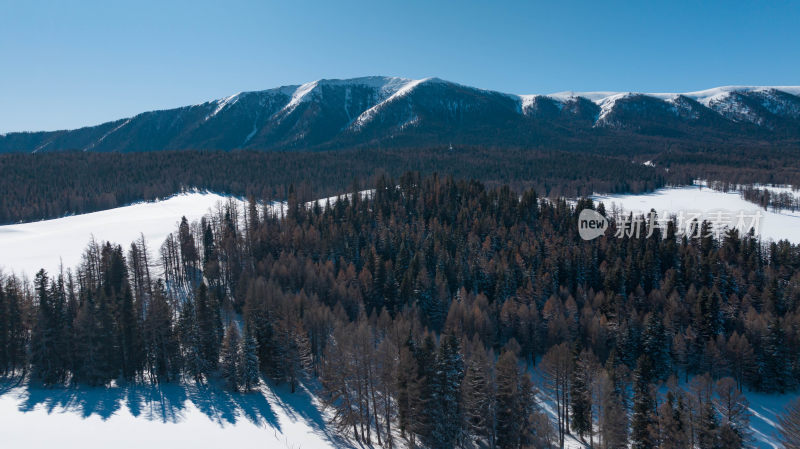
433, 312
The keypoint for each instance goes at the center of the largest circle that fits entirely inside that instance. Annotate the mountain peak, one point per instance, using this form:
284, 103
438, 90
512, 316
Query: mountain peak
330, 113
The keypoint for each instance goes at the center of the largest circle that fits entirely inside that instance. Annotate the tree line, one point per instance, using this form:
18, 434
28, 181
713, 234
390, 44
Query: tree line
50, 185
440, 312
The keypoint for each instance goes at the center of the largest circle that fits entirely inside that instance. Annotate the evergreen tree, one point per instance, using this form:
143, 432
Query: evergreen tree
478, 396
580, 394
194, 363
249, 363
232, 371
708, 428
207, 319
656, 345
446, 394
775, 367
46, 339
510, 399
160, 342
643, 406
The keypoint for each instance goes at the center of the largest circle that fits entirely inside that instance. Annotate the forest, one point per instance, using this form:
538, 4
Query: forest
51, 185
434, 313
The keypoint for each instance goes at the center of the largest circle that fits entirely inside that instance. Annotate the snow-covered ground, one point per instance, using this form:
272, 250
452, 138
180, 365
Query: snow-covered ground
765, 410
166, 416
25, 248
698, 198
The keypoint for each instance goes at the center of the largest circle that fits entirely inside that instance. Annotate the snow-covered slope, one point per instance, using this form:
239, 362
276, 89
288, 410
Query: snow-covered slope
735, 103
25, 248
28, 247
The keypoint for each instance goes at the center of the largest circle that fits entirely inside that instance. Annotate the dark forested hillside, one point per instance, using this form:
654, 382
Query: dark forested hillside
419, 308
39, 186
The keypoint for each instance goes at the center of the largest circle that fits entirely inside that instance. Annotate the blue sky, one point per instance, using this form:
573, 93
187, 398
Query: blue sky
70, 64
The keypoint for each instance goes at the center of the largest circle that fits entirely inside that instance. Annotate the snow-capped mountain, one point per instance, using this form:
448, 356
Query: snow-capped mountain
387, 111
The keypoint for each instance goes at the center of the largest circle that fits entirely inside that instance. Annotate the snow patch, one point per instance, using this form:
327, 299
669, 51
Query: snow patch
720, 99
94, 144
25, 248
773, 225
143, 416
400, 91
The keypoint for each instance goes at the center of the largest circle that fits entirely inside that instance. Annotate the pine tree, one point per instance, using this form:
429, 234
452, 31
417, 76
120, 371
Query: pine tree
446, 394
670, 431
207, 319
580, 394
510, 411
231, 365
422, 419
295, 348
129, 336
160, 342
708, 428
612, 413
408, 389
249, 363
656, 345
775, 368
87, 344
46, 351
478, 396
643, 406
193, 361
18, 328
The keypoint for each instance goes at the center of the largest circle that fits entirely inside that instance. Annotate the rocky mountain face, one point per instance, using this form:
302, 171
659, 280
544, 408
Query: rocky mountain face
397, 112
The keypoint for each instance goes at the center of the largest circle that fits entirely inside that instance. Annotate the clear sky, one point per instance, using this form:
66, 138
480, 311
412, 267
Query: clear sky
65, 64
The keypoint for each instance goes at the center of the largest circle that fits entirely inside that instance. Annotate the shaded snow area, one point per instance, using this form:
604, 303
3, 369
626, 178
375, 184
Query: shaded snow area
162, 416
773, 225
26, 248
765, 411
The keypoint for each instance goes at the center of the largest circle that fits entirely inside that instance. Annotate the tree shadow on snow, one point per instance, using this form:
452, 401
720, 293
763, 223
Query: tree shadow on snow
168, 403
301, 406
165, 403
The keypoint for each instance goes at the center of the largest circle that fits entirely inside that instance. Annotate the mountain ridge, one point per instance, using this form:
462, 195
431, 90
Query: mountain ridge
394, 111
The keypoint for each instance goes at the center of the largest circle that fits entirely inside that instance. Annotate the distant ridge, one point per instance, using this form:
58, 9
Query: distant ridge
391, 111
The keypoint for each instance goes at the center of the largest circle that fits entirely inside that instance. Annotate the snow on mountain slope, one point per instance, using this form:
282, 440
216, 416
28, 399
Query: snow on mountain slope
704, 97
728, 101
339, 113
162, 416
383, 86
221, 104
370, 113
28, 247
